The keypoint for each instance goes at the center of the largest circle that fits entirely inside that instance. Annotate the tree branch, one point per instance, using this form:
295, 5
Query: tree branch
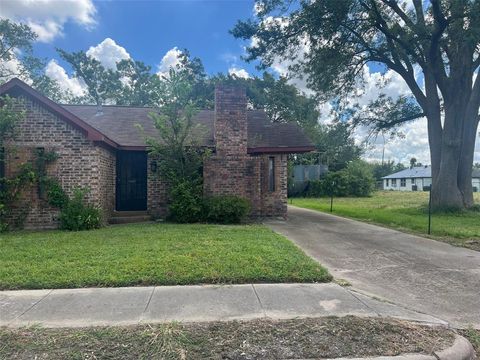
394, 6
418, 4
438, 65
389, 124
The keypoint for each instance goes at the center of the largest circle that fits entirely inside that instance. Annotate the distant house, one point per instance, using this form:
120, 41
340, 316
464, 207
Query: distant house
418, 179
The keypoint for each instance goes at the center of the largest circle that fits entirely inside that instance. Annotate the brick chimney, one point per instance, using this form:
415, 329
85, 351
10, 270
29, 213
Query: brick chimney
230, 123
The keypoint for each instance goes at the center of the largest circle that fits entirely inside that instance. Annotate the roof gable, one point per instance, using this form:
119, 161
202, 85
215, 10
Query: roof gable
16, 87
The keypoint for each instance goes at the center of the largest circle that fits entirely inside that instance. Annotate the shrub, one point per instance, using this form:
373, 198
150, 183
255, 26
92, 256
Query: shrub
186, 206
360, 178
76, 215
55, 194
355, 180
315, 188
10, 190
3, 223
226, 209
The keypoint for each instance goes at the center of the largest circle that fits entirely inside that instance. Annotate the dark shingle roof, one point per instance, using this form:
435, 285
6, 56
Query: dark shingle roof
119, 123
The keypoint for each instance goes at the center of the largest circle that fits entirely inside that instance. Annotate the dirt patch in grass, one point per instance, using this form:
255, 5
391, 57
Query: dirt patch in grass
259, 339
473, 244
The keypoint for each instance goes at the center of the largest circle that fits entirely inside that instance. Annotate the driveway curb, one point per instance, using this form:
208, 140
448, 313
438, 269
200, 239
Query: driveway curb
460, 350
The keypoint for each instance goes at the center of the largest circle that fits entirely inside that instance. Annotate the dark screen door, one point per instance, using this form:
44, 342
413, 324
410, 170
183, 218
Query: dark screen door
131, 181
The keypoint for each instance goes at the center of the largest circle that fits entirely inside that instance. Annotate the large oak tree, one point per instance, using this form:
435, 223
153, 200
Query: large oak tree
433, 45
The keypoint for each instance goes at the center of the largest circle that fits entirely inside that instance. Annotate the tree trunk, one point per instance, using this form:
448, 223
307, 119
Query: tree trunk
452, 174
466, 162
449, 185
468, 145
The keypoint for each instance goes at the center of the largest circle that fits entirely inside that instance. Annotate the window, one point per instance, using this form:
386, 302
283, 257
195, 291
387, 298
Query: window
394, 182
413, 181
403, 182
271, 174
388, 182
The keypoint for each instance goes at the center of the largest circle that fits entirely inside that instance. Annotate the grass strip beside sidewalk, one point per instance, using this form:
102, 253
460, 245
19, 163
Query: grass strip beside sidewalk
259, 339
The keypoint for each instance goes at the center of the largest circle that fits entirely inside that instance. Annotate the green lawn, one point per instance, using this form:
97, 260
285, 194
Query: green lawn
152, 254
406, 211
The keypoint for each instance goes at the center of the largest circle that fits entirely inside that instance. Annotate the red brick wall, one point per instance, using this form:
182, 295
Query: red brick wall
156, 192
230, 123
81, 163
231, 171
106, 181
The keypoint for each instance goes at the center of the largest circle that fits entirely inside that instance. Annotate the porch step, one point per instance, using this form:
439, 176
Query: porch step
128, 217
129, 213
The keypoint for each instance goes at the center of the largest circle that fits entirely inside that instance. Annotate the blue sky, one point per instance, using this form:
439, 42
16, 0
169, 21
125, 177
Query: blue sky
148, 29
155, 31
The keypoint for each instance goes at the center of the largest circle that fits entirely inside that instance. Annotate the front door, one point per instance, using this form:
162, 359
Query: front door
131, 188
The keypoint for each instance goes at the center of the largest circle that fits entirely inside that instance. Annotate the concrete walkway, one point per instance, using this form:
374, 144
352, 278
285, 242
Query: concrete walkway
418, 273
134, 305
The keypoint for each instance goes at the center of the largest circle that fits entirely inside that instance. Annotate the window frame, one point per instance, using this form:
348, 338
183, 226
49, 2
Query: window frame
403, 182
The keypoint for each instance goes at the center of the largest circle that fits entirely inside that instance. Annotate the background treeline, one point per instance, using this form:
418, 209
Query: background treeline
356, 178
134, 83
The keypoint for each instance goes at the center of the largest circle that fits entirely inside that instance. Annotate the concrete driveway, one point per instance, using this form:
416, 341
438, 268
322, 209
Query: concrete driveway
418, 273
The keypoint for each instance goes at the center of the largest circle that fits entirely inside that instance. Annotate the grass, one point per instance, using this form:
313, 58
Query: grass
406, 211
258, 339
152, 254
473, 335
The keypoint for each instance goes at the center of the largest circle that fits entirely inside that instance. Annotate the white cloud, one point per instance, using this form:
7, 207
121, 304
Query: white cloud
47, 17
12, 68
108, 53
56, 72
414, 142
170, 60
258, 7
239, 73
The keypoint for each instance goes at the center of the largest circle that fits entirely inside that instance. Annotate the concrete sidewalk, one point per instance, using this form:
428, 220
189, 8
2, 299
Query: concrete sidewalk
134, 305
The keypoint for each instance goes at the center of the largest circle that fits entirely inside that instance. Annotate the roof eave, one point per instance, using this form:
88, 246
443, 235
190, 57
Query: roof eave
280, 150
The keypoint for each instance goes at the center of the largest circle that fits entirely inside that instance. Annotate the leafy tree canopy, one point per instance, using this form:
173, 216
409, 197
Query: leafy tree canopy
436, 41
386, 168
17, 60
335, 144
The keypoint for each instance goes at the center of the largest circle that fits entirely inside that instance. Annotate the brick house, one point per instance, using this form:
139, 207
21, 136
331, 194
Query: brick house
102, 149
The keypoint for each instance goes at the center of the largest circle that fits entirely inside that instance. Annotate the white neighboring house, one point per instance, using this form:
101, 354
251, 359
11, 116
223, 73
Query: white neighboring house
417, 179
